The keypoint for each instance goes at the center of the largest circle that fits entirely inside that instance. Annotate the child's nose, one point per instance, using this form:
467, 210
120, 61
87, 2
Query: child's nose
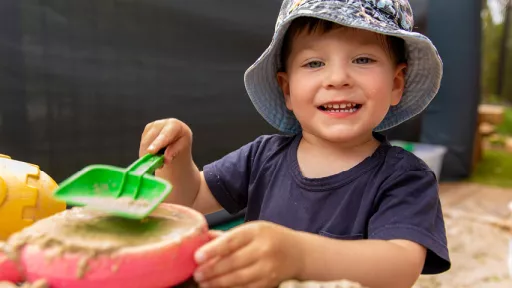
337, 76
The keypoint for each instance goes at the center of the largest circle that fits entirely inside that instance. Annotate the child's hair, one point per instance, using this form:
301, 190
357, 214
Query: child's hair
394, 45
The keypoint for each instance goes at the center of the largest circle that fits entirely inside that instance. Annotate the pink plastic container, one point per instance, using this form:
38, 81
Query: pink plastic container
8, 270
162, 264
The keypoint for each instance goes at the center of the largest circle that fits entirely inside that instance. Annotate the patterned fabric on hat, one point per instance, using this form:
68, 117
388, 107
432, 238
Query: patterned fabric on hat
387, 12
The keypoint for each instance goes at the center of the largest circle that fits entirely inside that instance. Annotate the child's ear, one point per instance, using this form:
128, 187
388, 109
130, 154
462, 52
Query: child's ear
284, 83
398, 84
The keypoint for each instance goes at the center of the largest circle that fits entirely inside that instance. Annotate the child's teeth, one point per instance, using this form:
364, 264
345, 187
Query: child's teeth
343, 107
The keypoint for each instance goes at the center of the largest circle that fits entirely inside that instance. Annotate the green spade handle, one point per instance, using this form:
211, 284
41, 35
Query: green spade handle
148, 163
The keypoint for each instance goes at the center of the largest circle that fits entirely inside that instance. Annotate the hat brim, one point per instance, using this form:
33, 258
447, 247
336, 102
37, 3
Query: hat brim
422, 79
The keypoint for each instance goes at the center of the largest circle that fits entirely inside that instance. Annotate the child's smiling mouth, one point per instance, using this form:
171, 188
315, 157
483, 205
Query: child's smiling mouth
340, 109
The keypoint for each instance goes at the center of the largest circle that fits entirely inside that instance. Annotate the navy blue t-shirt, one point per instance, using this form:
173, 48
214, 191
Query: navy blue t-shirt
389, 195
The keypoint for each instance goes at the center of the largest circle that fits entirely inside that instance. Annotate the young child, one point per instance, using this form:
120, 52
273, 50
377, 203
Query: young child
331, 199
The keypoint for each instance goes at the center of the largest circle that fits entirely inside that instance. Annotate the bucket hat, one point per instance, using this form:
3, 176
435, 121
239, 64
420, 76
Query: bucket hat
388, 17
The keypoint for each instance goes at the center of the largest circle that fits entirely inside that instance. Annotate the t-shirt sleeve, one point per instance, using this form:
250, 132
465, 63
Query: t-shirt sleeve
409, 208
229, 177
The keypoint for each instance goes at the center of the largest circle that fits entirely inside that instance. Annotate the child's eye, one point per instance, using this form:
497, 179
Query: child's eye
315, 64
363, 60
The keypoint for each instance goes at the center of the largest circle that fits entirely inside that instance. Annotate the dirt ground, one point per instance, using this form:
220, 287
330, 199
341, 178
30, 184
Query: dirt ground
479, 227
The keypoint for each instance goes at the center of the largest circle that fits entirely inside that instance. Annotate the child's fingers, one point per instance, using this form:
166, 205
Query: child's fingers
207, 265
222, 246
243, 277
212, 234
148, 136
167, 135
238, 260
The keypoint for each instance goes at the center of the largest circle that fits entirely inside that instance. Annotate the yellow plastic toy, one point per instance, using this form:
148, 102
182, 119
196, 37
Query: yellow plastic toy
25, 195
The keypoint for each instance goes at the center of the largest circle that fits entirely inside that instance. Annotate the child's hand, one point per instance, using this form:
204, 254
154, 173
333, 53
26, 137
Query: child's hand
212, 234
257, 254
170, 133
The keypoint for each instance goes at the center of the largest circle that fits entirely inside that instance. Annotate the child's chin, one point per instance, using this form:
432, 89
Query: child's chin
342, 134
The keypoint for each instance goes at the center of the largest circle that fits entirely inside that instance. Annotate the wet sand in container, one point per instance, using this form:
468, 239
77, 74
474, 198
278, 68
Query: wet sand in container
92, 233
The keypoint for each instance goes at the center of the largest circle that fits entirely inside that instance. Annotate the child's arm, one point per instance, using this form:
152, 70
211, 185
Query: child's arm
189, 185
263, 254
373, 263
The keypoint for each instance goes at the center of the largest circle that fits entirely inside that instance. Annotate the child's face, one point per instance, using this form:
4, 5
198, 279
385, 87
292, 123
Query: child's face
340, 84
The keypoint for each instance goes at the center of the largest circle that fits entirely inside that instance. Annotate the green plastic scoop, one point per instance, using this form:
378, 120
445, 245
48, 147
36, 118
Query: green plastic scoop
131, 192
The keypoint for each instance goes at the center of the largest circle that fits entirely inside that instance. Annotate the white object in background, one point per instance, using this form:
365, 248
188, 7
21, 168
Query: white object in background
431, 154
